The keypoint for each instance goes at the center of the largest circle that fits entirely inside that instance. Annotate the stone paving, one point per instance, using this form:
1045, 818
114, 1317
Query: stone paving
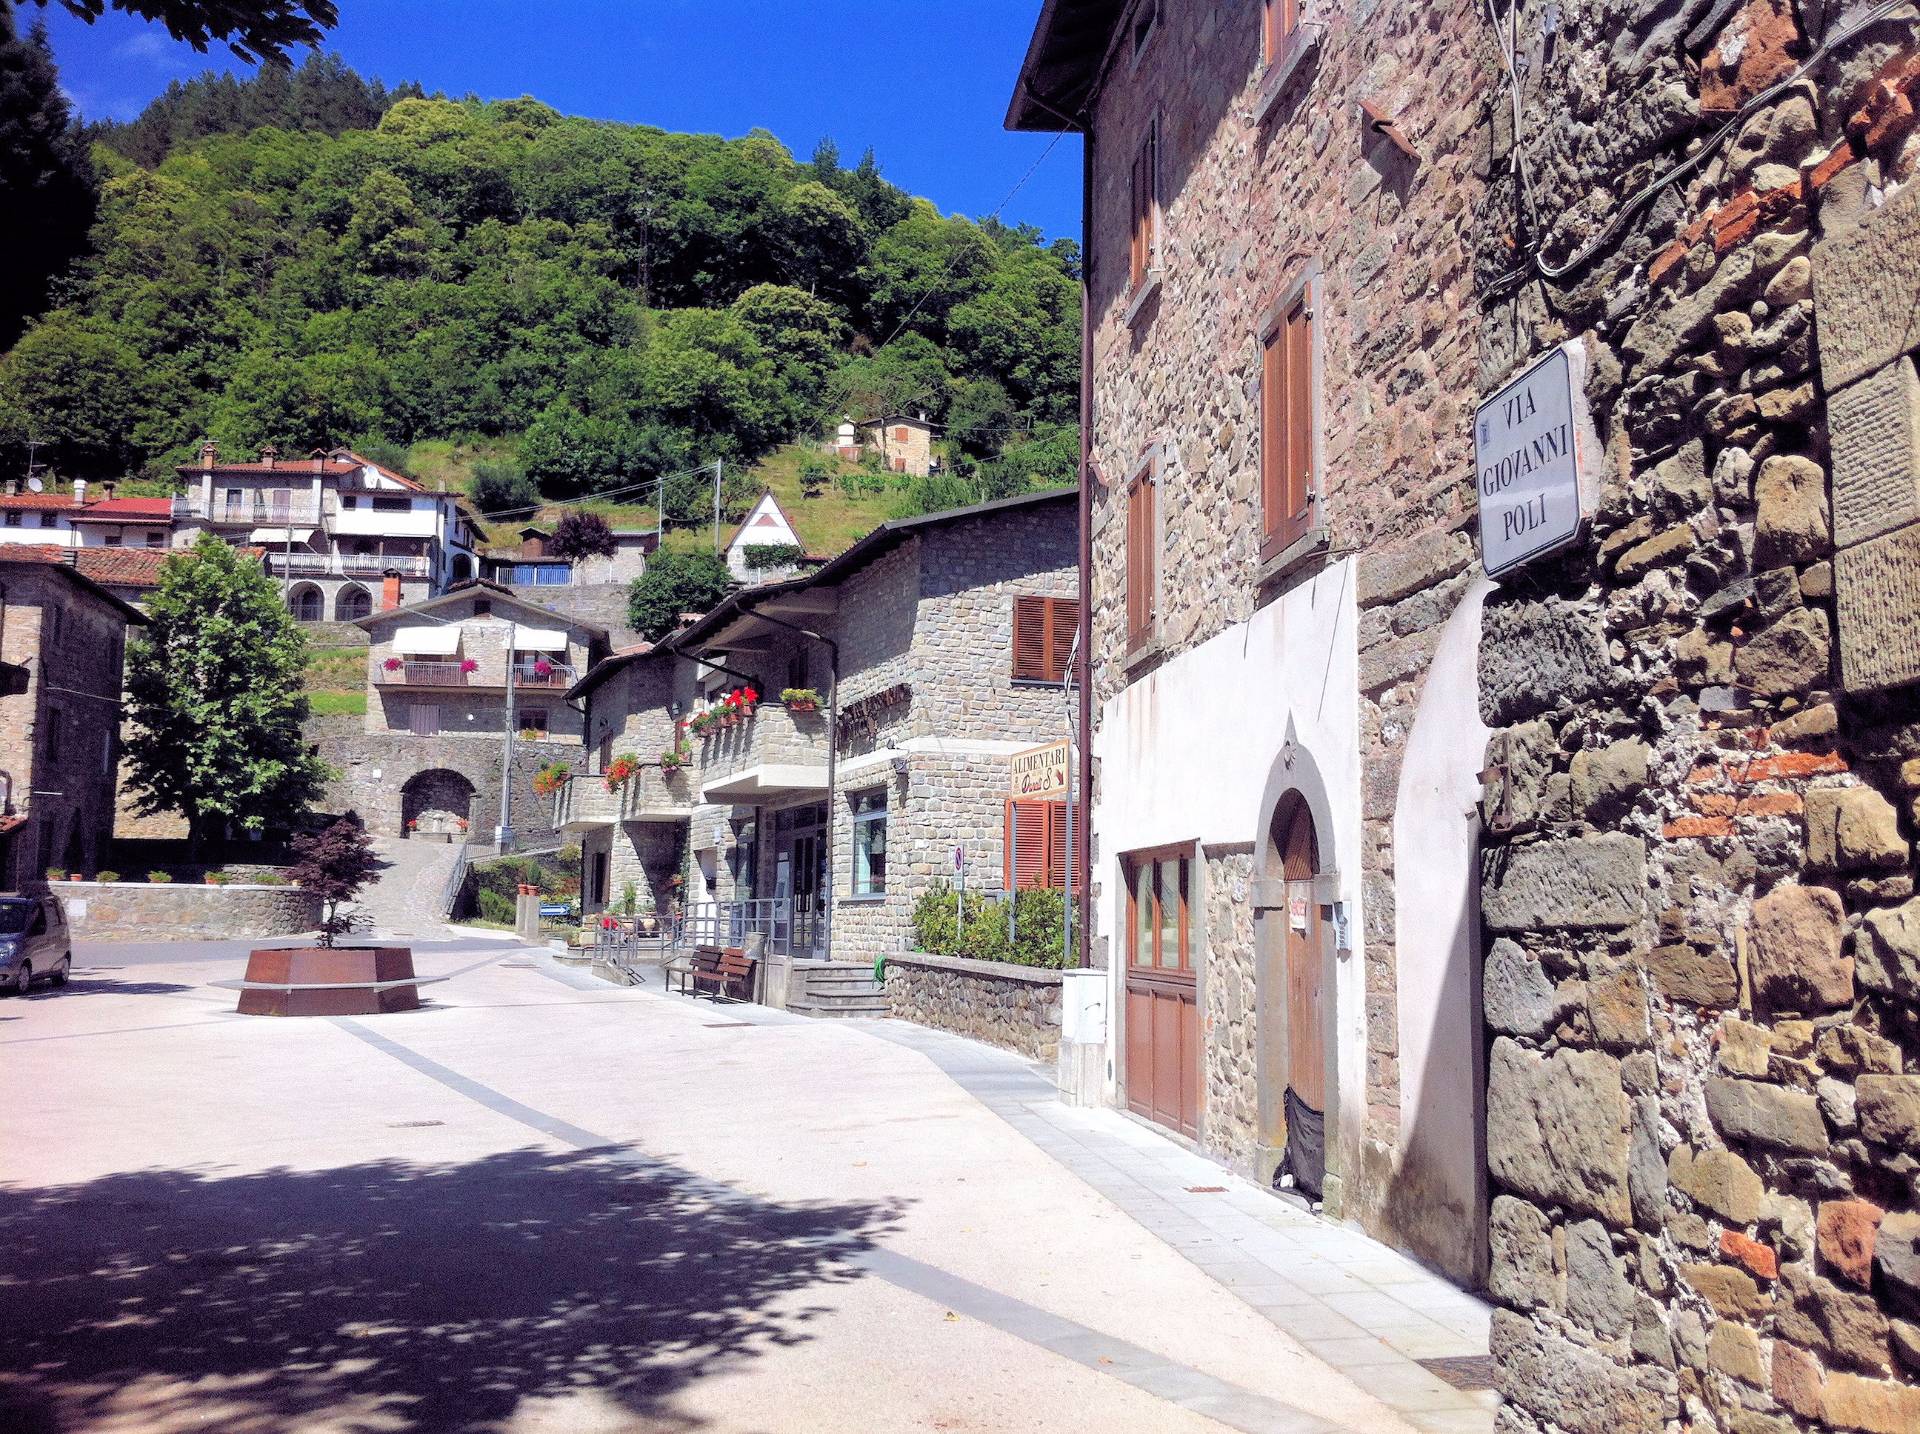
404, 901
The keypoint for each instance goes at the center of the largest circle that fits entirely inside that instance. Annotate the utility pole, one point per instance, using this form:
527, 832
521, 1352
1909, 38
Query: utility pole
716, 507
503, 834
659, 511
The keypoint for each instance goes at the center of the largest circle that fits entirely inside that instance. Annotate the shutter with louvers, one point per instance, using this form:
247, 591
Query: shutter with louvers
1063, 617
1027, 844
1140, 560
1030, 639
1299, 490
1056, 844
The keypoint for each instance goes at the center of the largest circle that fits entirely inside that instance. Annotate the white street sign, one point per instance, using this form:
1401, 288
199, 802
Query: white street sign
1537, 457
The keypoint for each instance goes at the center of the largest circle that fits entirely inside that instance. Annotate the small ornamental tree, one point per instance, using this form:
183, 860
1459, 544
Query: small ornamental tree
334, 865
672, 584
216, 696
582, 535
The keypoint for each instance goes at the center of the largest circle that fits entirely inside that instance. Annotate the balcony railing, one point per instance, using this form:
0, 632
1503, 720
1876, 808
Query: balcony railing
423, 674
771, 752
345, 565
525, 675
255, 511
650, 793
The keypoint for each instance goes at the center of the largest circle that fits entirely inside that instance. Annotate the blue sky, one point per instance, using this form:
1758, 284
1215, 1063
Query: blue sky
925, 84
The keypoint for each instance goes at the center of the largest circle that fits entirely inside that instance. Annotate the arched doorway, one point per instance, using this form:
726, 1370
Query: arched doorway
462, 568
308, 603
436, 803
353, 603
1295, 1045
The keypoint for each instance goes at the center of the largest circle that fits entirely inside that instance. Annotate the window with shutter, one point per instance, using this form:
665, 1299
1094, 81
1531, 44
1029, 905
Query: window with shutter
1145, 191
1286, 426
1143, 557
1043, 637
1278, 19
1036, 845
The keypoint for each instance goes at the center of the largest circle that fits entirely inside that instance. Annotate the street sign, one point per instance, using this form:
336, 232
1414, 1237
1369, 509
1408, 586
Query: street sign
1537, 456
1039, 774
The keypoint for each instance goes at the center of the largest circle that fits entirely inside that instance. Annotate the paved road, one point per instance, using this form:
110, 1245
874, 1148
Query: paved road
545, 1204
405, 899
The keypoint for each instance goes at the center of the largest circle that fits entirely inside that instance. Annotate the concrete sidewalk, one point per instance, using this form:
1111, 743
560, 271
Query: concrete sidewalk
545, 1203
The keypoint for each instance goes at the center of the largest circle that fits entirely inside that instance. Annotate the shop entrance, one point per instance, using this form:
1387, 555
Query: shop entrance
800, 873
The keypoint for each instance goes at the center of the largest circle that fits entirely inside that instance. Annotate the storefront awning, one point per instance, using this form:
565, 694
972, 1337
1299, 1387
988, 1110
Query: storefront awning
437, 640
283, 536
539, 639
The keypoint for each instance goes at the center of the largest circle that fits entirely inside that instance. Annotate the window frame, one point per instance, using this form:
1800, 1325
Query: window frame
1181, 857
1051, 673
867, 809
1143, 565
53, 738
1275, 37
1143, 23
1146, 220
1290, 421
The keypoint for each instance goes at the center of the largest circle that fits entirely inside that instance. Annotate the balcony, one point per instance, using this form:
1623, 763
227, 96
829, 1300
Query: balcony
254, 510
413, 673
345, 565
649, 795
525, 674
772, 753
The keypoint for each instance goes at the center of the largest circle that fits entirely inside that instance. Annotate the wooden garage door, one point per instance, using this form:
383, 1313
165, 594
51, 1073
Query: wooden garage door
1162, 1017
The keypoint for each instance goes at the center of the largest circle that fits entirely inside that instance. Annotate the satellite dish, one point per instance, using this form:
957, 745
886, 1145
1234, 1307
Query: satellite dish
34, 485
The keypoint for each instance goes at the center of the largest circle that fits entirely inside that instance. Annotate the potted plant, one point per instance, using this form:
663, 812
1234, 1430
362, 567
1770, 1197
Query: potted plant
460, 824
550, 779
801, 699
160, 878
107, 876
328, 979
413, 825
675, 758
75, 876
468, 667
394, 664
620, 771
542, 669
56, 873
700, 722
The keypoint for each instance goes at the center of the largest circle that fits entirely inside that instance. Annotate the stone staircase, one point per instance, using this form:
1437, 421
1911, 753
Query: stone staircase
839, 989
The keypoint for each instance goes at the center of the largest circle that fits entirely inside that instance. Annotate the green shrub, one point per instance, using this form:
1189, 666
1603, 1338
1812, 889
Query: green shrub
270, 878
982, 935
106, 876
56, 873
495, 907
160, 878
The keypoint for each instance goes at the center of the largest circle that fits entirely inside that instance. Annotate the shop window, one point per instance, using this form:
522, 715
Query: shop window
1043, 629
1036, 844
1286, 426
870, 842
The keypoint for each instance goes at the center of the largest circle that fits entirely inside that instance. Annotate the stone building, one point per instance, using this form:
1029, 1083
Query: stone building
931, 651
62, 646
1701, 989
426, 758
1283, 602
904, 442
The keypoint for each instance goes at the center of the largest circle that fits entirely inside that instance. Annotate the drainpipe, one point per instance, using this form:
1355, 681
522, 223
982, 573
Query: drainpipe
503, 834
1082, 850
833, 754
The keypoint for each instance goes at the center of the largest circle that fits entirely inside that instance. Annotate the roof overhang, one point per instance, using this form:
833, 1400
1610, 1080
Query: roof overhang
1063, 64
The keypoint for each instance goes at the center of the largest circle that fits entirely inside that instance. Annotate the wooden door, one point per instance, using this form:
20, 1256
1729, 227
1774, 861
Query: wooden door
1163, 1014
1306, 1009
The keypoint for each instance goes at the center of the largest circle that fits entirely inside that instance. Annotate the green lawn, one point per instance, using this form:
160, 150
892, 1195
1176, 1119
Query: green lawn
337, 704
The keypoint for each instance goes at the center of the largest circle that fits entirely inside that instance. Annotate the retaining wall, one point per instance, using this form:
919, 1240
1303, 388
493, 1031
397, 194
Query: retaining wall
1014, 1007
139, 911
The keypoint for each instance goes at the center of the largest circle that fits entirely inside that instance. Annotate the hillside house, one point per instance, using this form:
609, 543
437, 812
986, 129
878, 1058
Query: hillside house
765, 527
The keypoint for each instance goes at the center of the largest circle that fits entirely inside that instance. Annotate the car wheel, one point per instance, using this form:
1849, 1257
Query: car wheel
23, 978
59, 977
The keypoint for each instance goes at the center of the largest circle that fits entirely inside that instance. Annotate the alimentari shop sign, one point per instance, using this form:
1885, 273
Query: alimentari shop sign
1040, 773
1537, 457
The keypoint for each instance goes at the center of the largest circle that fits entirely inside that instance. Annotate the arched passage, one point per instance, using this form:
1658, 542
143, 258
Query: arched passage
352, 603
309, 604
436, 801
462, 568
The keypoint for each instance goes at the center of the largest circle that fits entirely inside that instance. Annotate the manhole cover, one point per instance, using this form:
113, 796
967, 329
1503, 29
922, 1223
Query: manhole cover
1465, 1371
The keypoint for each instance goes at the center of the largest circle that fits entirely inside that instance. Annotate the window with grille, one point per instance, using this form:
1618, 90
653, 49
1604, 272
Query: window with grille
1286, 426
1145, 189
1036, 844
1043, 630
1143, 557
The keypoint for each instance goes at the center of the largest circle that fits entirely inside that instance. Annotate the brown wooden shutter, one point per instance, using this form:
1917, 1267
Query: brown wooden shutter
1030, 639
1027, 844
1299, 494
1286, 429
1063, 616
1136, 254
1056, 844
1140, 560
1273, 407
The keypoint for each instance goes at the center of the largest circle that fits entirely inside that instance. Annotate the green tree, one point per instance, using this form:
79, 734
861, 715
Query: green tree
72, 384
502, 488
251, 28
46, 183
215, 697
582, 535
672, 584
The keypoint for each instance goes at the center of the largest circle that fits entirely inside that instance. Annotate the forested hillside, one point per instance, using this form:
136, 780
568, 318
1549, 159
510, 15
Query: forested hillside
606, 301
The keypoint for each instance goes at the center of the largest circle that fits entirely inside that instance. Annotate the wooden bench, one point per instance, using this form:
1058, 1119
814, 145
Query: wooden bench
728, 971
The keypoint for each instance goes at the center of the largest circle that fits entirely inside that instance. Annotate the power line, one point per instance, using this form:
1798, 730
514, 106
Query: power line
603, 493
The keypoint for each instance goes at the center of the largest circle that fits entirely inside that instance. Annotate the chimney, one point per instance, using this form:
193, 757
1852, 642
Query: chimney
269, 454
13, 487
209, 451
389, 593
79, 492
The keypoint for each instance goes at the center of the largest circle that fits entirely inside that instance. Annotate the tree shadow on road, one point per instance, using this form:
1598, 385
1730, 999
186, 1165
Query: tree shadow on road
401, 1296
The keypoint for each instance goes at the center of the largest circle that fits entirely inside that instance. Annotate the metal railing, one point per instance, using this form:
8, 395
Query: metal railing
727, 923
524, 675
422, 674
345, 565
456, 879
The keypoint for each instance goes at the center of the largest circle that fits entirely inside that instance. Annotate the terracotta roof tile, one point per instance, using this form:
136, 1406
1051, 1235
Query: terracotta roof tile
39, 502
130, 510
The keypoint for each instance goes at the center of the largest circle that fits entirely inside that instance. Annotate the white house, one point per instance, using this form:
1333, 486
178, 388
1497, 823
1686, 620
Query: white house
766, 526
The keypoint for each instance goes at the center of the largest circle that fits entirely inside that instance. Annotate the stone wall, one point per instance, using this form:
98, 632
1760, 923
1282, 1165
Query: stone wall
1702, 1125
1014, 1007
1229, 1028
137, 911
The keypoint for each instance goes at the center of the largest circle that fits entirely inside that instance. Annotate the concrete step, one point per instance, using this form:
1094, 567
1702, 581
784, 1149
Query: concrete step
850, 1006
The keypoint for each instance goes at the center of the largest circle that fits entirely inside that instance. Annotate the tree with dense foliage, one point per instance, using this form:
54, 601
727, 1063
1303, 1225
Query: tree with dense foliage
252, 29
502, 488
216, 699
672, 584
334, 864
46, 182
582, 535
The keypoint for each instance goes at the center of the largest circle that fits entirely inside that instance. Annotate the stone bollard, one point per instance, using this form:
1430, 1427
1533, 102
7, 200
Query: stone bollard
526, 914
1081, 1069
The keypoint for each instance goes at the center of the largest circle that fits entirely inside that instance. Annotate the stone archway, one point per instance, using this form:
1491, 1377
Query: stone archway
308, 603
462, 569
352, 603
436, 803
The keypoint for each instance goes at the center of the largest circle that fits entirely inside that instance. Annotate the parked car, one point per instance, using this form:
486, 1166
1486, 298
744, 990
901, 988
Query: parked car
34, 942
